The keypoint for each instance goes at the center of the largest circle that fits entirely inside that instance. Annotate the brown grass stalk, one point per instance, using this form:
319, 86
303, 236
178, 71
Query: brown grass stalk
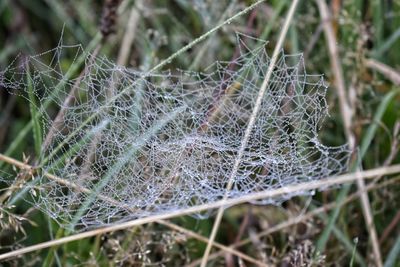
31, 170
225, 249
313, 185
388, 72
249, 128
130, 34
59, 119
347, 113
345, 109
295, 220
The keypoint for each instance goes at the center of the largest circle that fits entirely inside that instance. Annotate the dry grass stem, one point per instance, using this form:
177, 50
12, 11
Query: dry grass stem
366, 207
313, 185
205, 36
130, 33
215, 244
31, 170
388, 72
347, 113
345, 109
57, 123
249, 128
392, 226
302, 217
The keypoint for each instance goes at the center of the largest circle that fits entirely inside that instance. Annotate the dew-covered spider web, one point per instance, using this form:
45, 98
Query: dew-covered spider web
121, 144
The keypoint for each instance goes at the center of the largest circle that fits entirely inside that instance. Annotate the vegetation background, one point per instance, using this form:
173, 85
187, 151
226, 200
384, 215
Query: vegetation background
367, 35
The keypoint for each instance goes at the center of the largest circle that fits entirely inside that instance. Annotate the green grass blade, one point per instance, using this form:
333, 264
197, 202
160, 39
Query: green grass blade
393, 254
367, 139
71, 71
127, 156
77, 146
350, 247
365, 143
35, 115
378, 22
345, 241
204, 36
387, 44
61, 160
354, 253
52, 253
17, 141
279, 9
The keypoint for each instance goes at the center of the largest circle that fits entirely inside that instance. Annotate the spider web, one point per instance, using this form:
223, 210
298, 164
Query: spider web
128, 144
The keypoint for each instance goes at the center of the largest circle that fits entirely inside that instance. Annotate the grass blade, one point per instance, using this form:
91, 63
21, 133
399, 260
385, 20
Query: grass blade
35, 115
127, 156
329, 181
393, 254
365, 143
71, 71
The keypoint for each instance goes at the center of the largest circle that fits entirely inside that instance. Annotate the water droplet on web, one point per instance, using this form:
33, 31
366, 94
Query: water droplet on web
160, 126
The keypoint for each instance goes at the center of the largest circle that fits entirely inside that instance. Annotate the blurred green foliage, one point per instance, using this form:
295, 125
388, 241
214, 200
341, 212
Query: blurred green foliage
364, 29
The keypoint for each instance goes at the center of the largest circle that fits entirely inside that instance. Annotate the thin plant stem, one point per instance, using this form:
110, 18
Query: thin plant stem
151, 71
58, 121
204, 36
202, 238
27, 167
215, 244
295, 220
313, 185
389, 72
130, 34
200, 54
345, 109
249, 128
347, 112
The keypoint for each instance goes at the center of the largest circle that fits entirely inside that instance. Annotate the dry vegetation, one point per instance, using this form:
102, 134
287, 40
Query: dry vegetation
354, 43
